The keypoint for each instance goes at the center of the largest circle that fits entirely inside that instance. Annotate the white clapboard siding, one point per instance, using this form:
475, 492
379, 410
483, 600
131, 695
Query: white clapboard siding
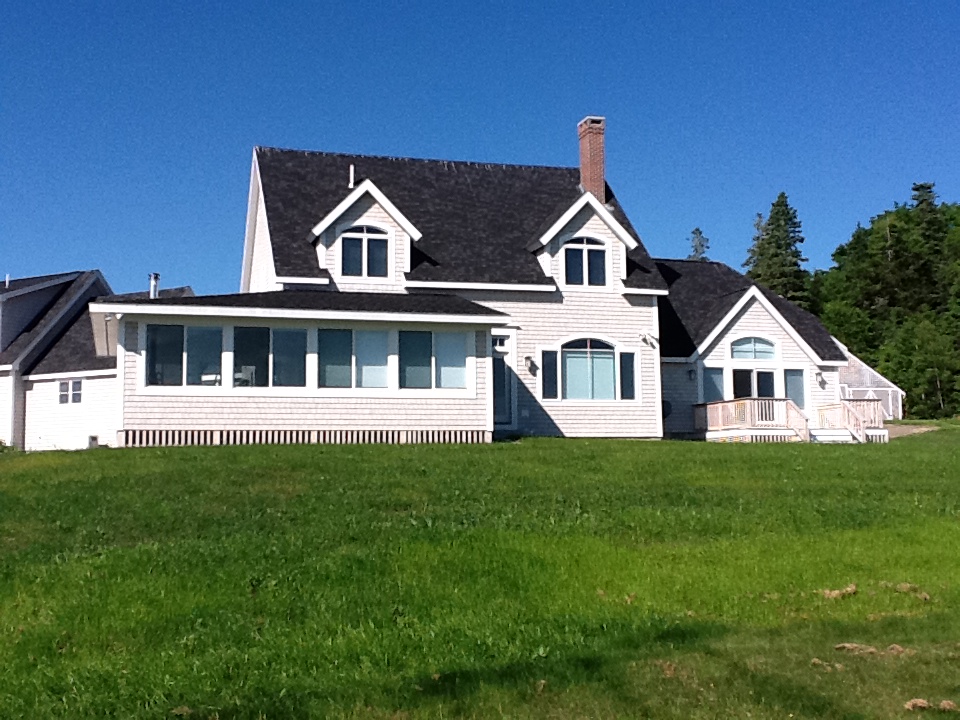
366, 211
147, 411
52, 426
6, 408
755, 320
263, 277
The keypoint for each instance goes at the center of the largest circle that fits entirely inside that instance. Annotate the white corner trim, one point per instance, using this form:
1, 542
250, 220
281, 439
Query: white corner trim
292, 280
587, 199
253, 203
362, 189
753, 293
77, 374
638, 291
479, 286
294, 314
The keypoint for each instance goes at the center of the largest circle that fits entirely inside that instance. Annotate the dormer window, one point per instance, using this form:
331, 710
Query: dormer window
585, 262
364, 252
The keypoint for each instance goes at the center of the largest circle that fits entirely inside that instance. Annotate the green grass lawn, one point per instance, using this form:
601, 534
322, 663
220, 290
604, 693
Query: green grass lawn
538, 579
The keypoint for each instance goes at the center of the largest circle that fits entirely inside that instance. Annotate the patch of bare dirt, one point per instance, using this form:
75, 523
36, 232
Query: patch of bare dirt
899, 431
849, 590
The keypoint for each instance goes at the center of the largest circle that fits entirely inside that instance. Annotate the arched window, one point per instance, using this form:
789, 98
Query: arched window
588, 370
364, 251
751, 348
581, 254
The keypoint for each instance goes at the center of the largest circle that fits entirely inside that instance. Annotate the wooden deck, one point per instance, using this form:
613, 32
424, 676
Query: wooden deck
780, 420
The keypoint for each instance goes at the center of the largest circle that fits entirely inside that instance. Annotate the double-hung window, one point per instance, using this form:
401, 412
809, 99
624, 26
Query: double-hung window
588, 369
585, 262
364, 252
71, 391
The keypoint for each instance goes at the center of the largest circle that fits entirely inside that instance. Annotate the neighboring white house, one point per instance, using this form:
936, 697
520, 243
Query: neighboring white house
402, 300
34, 312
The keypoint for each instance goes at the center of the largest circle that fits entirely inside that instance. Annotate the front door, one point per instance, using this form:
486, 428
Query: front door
503, 379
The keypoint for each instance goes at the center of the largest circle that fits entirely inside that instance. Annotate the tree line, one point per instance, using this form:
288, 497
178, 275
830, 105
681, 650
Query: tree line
892, 295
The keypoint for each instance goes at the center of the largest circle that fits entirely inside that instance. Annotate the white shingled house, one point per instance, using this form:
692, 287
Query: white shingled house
402, 300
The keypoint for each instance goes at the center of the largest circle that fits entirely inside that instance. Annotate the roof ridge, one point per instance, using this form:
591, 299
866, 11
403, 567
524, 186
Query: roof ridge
400, 158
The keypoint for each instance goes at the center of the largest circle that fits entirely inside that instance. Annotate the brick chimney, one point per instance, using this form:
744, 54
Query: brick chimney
590, 130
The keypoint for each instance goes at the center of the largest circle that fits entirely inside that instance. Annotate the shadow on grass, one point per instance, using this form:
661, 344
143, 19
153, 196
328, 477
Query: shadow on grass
796, 699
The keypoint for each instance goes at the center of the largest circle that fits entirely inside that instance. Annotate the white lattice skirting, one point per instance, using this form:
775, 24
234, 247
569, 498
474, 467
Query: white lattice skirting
169, 438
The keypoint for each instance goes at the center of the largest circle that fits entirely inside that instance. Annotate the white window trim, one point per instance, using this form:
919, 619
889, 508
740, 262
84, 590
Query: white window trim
607, 264
312, 390
618, 350
510, 358
337, 248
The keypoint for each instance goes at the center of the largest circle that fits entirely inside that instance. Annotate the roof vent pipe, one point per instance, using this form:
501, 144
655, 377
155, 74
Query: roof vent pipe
6, 283
350, 183
154, 285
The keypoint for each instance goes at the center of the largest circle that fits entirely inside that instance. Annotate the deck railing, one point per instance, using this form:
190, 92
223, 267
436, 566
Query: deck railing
752, 413
870, 410
841, 415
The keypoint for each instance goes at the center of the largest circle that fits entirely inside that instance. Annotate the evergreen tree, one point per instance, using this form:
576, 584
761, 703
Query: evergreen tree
775, 258
699, 244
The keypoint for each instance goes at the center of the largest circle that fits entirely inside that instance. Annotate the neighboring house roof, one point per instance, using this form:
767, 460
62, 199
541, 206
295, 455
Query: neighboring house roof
477, 219
74, 349
17, 284
397, 303
701, 295
72, 294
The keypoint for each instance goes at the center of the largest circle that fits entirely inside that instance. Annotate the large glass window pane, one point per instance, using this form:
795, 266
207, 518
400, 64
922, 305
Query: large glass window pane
251, 353
416, 349
627, 391
576, 375
450, 350
762, 349
751, 348
712, 384
793, 382
742, 383
371, 351
164, 354
204, 347
289, 358
596, 267
376, 257
603, 376
549, 378
573, 260
352, 256
765, 384
336, 358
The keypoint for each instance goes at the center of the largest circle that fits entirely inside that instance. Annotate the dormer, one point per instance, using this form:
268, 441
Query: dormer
365, 240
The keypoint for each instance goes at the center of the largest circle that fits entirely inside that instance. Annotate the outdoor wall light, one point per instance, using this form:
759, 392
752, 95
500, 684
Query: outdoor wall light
530, 365
819, 379
692, 374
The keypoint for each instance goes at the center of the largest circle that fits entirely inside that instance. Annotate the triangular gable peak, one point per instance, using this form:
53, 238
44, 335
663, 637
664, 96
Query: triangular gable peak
753, 294
366, 187
589, 202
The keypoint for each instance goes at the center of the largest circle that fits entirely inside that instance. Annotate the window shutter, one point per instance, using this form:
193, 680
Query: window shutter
549, 379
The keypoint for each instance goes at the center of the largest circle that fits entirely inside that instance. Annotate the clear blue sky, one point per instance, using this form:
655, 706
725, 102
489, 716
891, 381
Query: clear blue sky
126, 129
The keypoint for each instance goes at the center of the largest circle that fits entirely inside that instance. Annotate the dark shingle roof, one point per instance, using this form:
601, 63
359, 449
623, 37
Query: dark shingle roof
73, 294
476, 218
178, 292
703, 292
21, 283
333, 301
73, 351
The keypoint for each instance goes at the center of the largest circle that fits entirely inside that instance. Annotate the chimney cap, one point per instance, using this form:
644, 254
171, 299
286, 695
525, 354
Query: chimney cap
592, 121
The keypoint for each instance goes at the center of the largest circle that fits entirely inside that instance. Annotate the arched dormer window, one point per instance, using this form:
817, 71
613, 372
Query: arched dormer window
364, 252
585, 262
751, 348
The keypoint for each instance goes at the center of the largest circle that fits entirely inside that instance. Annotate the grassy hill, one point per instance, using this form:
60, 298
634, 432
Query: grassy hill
543, 579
